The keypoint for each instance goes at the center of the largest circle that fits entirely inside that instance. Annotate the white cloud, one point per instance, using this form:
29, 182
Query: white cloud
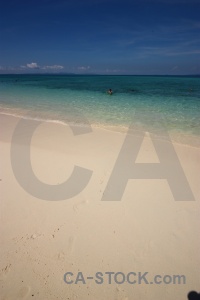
53, 67
33, 66
83, 68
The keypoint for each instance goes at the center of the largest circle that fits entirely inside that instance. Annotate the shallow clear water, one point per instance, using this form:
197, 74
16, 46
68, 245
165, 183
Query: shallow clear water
142, 100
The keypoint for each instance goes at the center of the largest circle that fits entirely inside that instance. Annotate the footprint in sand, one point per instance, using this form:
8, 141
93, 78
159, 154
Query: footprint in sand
35, 236
77, 206
120, 293
23, 292
61, 256
101, 180
4, 272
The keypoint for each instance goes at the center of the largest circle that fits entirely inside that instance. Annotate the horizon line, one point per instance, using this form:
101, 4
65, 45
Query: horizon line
97, 74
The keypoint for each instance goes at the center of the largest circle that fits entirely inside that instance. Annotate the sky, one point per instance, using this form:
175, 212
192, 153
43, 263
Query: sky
146, 37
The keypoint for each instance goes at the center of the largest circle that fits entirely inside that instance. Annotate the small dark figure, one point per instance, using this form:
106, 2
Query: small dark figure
193, 296
110, 92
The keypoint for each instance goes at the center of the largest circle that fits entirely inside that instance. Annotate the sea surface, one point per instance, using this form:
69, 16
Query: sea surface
146, 102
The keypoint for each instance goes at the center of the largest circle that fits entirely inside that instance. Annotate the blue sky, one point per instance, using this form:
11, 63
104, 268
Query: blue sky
100, 36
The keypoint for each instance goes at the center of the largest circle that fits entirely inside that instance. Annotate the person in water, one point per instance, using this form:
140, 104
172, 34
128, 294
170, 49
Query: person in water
110, 92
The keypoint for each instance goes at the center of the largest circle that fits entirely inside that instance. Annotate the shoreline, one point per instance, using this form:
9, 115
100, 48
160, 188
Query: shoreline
177, 138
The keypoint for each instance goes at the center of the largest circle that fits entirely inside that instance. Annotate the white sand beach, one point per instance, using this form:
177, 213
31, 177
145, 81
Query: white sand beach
147, 231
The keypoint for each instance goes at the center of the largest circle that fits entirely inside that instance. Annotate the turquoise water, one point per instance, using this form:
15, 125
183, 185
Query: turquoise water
143, 100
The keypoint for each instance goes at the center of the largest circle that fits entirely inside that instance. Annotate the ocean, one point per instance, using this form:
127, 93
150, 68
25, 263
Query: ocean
146, 102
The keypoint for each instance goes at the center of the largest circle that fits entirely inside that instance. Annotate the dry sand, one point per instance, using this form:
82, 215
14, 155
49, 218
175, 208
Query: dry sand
147, 231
